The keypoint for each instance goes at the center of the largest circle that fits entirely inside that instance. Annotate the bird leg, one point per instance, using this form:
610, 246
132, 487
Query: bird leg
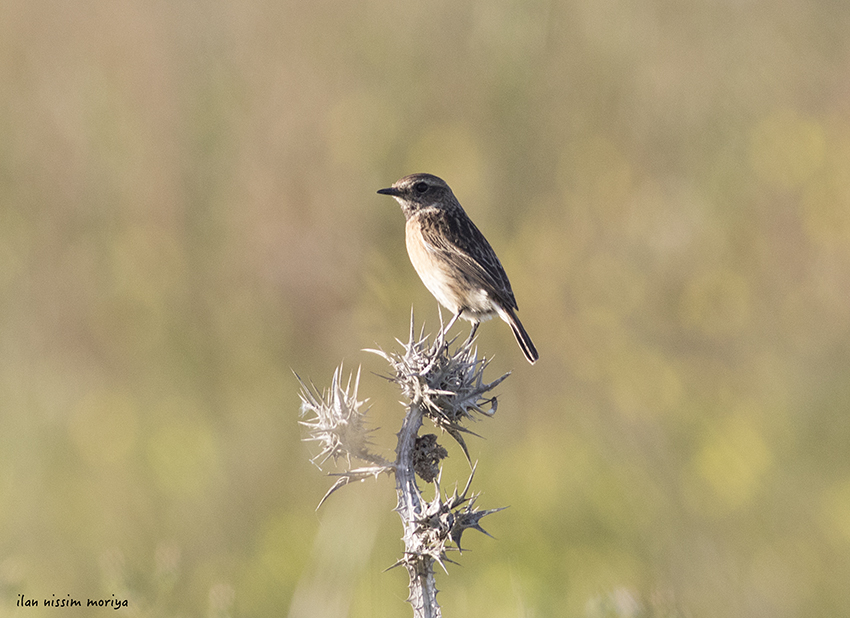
452, 321
472, 332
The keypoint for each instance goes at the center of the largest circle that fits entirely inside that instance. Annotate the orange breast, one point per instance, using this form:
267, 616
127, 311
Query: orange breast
432, 268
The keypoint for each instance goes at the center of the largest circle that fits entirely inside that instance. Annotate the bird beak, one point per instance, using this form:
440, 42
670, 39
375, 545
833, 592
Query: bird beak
390, 191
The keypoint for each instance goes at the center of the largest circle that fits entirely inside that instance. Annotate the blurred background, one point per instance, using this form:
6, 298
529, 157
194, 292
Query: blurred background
188, 213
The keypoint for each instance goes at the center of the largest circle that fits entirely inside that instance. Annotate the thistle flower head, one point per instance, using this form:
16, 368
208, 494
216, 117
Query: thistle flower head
444, 520
448, 384
336, 420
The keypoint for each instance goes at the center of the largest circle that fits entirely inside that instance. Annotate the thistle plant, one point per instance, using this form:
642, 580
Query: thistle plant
438, 380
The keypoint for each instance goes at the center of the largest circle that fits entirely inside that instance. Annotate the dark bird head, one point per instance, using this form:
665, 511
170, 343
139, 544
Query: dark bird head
419, 191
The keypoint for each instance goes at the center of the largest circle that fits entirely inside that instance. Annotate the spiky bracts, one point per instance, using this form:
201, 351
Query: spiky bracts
338, 424
448, 386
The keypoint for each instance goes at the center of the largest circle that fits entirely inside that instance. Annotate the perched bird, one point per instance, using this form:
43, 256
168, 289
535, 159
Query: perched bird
452, 257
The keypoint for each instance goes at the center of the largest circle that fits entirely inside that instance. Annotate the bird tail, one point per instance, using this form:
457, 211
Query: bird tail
522, 338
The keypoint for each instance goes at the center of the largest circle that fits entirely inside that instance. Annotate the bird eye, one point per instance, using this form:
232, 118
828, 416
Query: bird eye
420, 187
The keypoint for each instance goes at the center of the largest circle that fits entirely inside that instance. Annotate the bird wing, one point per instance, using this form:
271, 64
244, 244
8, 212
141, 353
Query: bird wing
459, 242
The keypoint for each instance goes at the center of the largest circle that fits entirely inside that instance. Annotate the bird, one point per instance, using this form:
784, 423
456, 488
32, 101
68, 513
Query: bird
453, 259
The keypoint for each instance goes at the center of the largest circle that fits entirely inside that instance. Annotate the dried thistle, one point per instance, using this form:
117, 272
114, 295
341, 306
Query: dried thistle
338, 424
440, 383
448, 386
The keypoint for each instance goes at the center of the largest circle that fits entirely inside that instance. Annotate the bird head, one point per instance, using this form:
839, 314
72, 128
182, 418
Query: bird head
419, 191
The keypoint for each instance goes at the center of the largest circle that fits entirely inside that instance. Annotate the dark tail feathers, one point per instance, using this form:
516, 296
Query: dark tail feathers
522, 337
